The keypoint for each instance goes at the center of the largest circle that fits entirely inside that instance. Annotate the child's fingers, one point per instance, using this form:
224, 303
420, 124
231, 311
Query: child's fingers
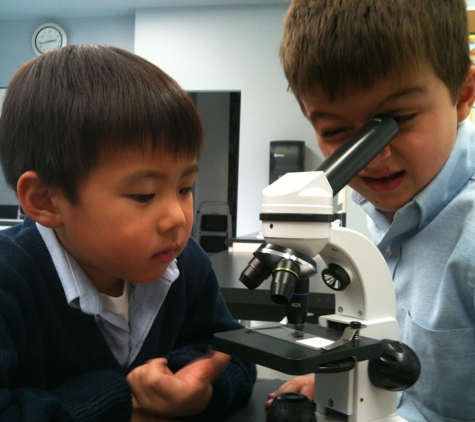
158, 366
303, 385
206, 368
188, 391
218, 361
145, 379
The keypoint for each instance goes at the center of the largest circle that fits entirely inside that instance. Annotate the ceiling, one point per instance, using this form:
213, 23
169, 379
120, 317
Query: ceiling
28, 9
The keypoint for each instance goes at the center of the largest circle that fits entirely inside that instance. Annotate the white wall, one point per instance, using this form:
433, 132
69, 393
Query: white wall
16, 34
205, 49
7, 196
232, 49
16, 49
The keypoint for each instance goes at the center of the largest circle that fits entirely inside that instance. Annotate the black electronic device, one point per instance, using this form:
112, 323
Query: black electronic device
285, 157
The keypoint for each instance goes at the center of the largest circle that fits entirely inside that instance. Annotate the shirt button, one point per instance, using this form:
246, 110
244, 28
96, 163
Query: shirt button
387, 252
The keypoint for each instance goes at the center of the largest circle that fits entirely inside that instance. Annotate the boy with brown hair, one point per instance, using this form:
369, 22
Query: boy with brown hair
107, 306
349, 60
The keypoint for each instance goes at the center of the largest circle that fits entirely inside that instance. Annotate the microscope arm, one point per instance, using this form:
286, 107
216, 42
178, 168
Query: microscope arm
369, 297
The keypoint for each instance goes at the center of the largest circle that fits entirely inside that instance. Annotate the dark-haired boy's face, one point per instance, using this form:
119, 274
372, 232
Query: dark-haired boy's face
427, 118
134, 217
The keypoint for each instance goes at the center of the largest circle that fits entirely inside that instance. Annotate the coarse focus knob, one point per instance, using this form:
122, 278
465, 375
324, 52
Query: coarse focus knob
291, 407
336, 277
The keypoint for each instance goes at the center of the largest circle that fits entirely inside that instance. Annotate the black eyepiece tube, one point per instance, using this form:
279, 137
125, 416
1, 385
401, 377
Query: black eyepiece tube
355, 153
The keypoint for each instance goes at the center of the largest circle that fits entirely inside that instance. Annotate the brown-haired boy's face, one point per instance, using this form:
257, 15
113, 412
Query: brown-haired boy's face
427, 117
134, 217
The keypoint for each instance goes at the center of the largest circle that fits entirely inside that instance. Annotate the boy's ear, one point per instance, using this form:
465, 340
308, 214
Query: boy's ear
467, 96
38, 201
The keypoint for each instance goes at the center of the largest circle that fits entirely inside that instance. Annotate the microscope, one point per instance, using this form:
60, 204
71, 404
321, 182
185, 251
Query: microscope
358, 363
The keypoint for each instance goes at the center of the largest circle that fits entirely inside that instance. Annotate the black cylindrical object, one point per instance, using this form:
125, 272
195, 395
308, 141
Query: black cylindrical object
284, 279
291, 407
358, 151
254, 274
297, 307
397, 369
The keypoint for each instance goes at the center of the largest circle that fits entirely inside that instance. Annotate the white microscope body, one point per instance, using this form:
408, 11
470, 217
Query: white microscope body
369, 297
358, 363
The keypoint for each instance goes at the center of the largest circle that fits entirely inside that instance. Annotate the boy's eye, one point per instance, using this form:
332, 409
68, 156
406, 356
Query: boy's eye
331, 133
402, 119
142, 198
186, 190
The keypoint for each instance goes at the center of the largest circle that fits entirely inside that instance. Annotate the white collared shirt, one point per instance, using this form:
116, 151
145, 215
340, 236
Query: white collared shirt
124, 335
430, 251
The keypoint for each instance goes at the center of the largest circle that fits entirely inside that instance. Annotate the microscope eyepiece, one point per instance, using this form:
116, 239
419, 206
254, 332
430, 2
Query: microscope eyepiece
357, 151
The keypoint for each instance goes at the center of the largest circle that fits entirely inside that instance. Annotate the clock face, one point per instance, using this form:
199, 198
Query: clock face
48, 37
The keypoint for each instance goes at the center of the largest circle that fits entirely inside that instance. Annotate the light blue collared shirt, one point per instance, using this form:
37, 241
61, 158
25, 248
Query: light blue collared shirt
125, 338
430, 250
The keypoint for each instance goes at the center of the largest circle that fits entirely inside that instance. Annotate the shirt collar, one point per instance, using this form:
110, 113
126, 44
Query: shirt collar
80, 292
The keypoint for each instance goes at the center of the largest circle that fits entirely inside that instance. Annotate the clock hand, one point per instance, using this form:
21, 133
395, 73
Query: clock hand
46, 42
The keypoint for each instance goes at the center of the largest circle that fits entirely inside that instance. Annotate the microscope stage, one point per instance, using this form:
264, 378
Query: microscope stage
285, 349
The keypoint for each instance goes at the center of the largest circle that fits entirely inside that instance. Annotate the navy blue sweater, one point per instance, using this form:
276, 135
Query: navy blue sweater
55, 364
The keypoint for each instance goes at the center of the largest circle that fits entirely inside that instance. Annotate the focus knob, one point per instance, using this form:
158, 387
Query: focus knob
336, 277
291, 407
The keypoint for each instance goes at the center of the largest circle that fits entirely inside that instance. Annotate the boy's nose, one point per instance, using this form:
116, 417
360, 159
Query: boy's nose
383, 155
173, 217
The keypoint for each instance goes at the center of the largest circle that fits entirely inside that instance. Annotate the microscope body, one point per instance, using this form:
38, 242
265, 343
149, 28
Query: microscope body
358, 363
368, 298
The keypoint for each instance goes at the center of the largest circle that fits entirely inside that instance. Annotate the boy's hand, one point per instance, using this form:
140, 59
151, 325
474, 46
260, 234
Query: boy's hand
304, 385
140, 415
158, 390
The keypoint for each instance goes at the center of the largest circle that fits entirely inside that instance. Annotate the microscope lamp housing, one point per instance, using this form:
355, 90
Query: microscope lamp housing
297, 212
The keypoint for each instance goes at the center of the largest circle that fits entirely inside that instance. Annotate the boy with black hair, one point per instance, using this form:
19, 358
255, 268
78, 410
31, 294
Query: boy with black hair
349, 60
107, 306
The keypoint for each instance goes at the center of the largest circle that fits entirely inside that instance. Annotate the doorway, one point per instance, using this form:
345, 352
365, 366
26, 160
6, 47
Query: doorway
217, 180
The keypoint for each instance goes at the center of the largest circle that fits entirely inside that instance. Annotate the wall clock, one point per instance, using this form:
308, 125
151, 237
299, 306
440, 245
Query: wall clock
47, 37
